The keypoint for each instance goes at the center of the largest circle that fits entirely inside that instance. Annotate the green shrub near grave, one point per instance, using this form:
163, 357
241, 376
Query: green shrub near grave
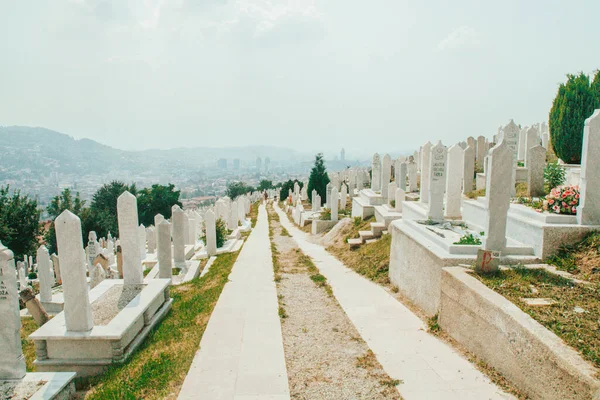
575, 101
554, 175
468, 239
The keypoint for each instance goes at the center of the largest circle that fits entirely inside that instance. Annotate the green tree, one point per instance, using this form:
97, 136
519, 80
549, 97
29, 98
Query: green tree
318, 179
157, 199
103, 209
235, 189
575, 101
19, 222
65, 201
286, 187
265, 184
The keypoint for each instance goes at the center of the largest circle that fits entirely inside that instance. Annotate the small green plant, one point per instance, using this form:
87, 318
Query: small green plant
357, 221
392, 203
175, 271
475, 194
468, 239
433, 325
282, 313
32, 275
520, 164
482, 233
325, 214
554, 175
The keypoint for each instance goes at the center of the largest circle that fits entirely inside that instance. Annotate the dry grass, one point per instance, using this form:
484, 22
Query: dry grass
475, 194
254, 212
157, 369
578, 329
28, 326
581, 259
371, 260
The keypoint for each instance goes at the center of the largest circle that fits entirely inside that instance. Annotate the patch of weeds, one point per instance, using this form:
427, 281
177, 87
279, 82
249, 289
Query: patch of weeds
175, 271
432, 324
357, 221
367, 361
475, 194
468, 239
315, 276
581, 258
282, 313
395, 289
389, 382
284, 232
325, 215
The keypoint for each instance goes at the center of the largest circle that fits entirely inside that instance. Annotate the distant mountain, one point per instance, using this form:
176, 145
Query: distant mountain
42, 151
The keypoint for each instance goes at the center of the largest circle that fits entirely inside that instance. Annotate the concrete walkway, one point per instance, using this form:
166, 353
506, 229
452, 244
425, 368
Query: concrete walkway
241, 352
428, 367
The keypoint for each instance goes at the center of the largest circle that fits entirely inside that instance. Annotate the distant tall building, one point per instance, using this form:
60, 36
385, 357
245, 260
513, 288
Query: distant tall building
236, 163
258, 164
267, 164
343, 155
222, 163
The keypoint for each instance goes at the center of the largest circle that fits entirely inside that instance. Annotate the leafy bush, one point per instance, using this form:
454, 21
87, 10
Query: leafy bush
562, 200
468, 239
235, 189
32, 275
19, 222
575, 101
554, 175
221, 230
287, 186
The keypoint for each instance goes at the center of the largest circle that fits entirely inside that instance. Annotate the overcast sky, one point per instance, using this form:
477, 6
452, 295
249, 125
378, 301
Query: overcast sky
312, 75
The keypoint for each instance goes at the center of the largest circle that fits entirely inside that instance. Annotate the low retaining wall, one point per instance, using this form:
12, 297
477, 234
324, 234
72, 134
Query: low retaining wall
525, 352
319, 226
416, 269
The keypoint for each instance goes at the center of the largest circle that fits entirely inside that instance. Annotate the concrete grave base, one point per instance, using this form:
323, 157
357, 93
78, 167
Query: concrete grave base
525, 352
386, 214
544, 232
57, 386
417, 257
89, 353
319, 226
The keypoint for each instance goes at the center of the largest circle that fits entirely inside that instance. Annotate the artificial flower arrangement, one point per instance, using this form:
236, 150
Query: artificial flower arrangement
562, 200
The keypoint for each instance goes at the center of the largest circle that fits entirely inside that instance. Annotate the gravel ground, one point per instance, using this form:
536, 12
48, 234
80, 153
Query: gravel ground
114, 300
325, 356
19, 390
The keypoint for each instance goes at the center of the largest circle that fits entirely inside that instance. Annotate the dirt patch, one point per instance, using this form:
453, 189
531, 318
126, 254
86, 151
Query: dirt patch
18, 390
325, 356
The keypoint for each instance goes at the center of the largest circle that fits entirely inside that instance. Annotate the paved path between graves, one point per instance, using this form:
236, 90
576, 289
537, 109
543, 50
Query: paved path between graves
428, 367
241, 352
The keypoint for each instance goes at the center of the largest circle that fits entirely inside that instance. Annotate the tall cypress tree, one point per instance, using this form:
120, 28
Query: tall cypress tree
318, 179
575, 101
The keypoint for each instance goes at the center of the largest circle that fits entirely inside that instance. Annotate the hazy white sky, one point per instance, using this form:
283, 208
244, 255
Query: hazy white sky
308, 74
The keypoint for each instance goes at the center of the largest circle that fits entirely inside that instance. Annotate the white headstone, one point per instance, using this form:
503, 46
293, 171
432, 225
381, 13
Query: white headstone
211, 233
98, 275
425, 172
392, 191
468, 169
454, 181
343, 197
376, 173
401, 171
521, 144
437, 181
536, 162
151, 235
12, 361
177, 217
129, 236
142, 241
588, 212
77, 308
386, 176
56, 265
511, 138
334, 204
531, 140
412, 176
500, 167
400, 197
164, 251
43, 262
481, 151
